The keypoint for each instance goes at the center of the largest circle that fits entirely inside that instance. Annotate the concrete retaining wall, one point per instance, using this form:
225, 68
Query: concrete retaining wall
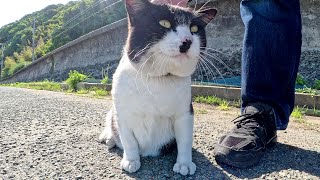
103, 47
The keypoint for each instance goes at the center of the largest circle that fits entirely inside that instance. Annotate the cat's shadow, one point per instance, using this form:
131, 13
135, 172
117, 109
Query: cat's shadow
161, 167
283, 157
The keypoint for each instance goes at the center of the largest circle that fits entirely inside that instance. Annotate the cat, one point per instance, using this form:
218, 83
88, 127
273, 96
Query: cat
151, 89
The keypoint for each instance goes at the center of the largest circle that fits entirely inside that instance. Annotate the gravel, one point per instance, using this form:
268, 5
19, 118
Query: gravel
52, 135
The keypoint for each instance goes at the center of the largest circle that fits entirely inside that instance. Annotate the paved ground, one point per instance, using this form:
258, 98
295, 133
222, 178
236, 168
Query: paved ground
47, 135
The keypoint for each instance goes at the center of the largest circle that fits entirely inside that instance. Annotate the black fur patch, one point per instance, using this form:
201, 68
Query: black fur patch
144, 27
169, 148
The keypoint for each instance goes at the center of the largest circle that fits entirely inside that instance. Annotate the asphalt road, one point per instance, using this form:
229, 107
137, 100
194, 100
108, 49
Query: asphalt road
52, 135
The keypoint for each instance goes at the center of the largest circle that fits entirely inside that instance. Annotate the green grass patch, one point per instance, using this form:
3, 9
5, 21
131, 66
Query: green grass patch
307, 90
297, 115
42, 85
224, 106
208, 100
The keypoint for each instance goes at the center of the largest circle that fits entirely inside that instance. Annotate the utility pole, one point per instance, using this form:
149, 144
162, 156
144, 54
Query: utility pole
33, 32
2, 59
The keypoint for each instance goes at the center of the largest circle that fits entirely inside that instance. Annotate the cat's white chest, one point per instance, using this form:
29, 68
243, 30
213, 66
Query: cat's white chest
149, 106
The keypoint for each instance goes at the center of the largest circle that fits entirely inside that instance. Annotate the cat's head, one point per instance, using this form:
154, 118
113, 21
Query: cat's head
164, 39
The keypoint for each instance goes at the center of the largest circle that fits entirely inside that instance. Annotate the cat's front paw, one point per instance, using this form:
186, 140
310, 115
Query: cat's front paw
185, 168
130, 166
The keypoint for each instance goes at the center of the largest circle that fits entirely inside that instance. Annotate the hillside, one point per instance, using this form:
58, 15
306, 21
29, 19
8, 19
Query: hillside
56, 25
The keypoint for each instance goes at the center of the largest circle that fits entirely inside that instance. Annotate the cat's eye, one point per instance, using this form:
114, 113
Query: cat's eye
194, 29
165, 24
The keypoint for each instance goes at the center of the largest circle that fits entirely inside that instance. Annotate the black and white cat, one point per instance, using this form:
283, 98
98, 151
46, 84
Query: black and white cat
151, 87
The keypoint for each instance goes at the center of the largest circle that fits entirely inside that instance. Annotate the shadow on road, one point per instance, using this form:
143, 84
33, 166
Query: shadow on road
161, 167
282, 157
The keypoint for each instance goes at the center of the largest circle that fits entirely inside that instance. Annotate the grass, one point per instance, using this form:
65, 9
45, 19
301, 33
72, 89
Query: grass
307, 90
297, 115
54, 86
224, 106
208, 100
43, 85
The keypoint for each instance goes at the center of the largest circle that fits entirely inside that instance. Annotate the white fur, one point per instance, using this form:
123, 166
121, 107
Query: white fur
151, 107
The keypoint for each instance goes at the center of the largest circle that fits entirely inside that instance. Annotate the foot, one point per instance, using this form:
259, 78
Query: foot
130, 165
184, 168
244, 146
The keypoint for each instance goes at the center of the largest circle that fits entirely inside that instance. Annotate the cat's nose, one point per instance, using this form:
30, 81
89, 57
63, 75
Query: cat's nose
185, 46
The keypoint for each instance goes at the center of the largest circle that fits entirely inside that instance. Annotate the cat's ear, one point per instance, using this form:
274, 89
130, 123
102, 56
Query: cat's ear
207, 14
135, 6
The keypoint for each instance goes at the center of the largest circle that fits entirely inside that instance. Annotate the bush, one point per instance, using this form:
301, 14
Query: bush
300, 80
16, 68
74, 78
5, 73
316, 84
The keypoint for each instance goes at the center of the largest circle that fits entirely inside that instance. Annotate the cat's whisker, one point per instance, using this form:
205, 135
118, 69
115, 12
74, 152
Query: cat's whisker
216, 69
208, 69
199, 10
148, 73
140, 70
219, 60
214, 50
201, 68
141, 51
195, 6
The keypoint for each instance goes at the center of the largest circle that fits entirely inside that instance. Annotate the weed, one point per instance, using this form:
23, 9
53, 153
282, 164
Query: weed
297, 114
105, 80
316, 84
101, 92
307, 90
42, 85
82, 91
74, 78
224, 106
300, 80
208, 100
105, 75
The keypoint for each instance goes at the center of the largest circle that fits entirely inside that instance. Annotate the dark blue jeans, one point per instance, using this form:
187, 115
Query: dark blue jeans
271, 54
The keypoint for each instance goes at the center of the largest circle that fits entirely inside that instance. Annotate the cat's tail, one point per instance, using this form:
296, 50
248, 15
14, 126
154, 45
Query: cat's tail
107, 136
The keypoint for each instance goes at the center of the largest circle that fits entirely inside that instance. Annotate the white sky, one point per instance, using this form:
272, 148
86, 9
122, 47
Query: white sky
12, 10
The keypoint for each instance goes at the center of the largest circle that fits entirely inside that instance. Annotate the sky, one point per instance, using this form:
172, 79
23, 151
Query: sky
12, 10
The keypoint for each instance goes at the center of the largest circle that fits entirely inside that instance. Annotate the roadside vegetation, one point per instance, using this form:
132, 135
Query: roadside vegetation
74, 78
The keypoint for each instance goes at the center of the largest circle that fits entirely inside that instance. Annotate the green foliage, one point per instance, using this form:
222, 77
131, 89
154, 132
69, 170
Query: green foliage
307, 90
55, 27
94, 92
297, 114
74, 78
209, 100
316, 84
43, 85
224, 106
300, 80
5, 73
105, 73
16, 68
105, 80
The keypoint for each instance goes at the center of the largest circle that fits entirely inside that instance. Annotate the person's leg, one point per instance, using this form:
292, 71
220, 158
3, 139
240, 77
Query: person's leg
271, 54
270, 59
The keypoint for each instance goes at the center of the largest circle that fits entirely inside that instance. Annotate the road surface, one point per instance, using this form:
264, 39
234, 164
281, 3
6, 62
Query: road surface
52, 135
